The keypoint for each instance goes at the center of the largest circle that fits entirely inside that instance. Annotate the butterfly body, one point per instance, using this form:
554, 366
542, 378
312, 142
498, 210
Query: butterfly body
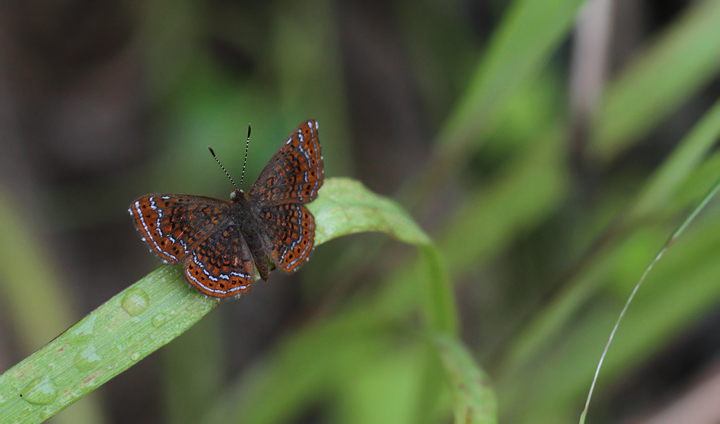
223, 243
250, 225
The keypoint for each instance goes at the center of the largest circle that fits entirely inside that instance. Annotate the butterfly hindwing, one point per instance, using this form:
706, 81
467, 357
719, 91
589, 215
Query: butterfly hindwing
175, 225
295, 173
292, 232
221, 265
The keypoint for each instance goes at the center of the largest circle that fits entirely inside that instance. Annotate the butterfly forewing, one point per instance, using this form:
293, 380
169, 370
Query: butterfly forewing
292, 177
295, 172
175, 225
221, 265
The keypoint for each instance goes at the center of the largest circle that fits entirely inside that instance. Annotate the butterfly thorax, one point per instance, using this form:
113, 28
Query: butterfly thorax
244, 215
246, 219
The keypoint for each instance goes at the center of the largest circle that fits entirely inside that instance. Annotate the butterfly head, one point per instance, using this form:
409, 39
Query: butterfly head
236, 195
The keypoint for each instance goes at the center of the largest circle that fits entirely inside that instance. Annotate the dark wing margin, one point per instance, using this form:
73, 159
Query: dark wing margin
295, 173
174, 225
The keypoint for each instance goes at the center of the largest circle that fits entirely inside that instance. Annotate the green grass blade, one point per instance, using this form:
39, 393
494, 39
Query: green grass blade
677, 295
681, 61
347, 207
160, 307
675, 235
676, 169
529, 33
29, 284
306, 89
439, 301
474, 399
112, 338
323, 358
523, 194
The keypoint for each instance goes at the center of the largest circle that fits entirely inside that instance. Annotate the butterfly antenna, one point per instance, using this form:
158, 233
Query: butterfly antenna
223, 168
247, 147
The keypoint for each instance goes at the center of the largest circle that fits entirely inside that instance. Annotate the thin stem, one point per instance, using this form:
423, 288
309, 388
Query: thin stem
672, 239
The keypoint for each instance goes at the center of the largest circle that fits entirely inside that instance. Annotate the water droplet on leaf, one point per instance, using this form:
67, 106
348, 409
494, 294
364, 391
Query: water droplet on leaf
135, 301
158, 320
85, 358
40, 391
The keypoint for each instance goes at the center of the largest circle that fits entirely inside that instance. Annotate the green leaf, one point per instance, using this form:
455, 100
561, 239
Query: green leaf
439, 301
322, 359
112, 338
345, 207
161, 306
386, 391
474, 398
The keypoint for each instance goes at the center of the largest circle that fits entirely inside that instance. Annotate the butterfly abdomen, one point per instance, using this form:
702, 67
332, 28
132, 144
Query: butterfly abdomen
251, 230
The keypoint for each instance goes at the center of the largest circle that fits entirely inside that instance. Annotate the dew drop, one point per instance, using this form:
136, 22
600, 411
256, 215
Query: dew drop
40, 391
84, 359
85, 327
135, 356
158, 320
135, 301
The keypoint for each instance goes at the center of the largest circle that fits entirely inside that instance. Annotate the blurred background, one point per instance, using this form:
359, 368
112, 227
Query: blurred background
549, 147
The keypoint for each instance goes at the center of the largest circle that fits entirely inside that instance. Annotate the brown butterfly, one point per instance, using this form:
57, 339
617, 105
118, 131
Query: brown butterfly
221, 242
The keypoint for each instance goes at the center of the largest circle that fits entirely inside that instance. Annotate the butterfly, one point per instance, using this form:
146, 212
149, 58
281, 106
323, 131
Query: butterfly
222, 243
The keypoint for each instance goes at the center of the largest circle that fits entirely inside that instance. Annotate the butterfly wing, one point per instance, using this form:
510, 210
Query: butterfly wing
291, 234
292, 177
295, 173
173, 226
221, 265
